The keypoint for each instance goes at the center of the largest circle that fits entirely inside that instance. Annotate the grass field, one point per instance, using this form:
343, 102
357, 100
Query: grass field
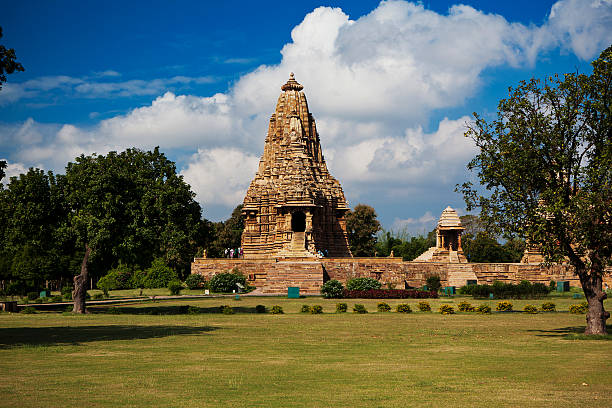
139, 359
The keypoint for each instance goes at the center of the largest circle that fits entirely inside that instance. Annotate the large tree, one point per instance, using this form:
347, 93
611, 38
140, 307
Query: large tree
130, 207
8, 63
361, 227
546, 164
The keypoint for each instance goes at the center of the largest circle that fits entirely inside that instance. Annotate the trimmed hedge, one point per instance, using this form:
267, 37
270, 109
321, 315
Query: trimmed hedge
389, 294
501, 290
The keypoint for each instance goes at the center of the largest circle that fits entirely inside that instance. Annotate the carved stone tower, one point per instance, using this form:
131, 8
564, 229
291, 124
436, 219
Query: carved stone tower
294, 207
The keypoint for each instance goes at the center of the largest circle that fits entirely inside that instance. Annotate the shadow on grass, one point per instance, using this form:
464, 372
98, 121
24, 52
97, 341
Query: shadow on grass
573, 333
75, 335
167, 310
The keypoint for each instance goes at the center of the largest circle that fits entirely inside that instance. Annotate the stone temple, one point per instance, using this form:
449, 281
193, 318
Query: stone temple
294, 207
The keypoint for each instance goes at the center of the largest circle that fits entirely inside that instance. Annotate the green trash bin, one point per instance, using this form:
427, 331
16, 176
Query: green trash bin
449, 290
425, 287
44, 293
563, 286
293, 292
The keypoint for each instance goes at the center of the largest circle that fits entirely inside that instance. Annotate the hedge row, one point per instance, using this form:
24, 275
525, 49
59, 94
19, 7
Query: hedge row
388, 294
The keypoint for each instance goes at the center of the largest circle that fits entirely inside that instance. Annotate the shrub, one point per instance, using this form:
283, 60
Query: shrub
98, 296
341, 307
433, 283
117, 278
389, 294
316, 309
358, 308
446, 309
28, 310
332, 289
192, 310
363, 284
483, 309
504, 307
67, 292
548, 307
57, 298
260, 309
175, 287
226, 309
32, 295
531, 309
305, 309
195, 281
465, 307
383, 307
159, 275
424, 307
582, 308
226, 282
276, 309
403, 308
501, 290
552, 285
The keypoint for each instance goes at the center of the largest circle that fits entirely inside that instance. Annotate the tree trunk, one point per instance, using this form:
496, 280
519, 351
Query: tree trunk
79, 293
592, 286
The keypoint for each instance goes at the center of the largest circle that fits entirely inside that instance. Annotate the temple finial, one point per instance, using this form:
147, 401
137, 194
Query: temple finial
292, 84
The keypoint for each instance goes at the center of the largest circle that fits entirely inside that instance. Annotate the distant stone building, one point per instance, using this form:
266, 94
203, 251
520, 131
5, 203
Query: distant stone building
294, 207
448, 240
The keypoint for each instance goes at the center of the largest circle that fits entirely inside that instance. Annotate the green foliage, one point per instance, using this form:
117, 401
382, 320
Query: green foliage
316, 309
361, 228
175, 287
403, 308
67, 292
226, 282
446, 309
433, 283
8, 64
548, 307
332, 289
359, 308
260, 309
465, 307
98, 296
483, 309
363, 284
504, 307
424, 306
158, 275
226, 309
117, 278
193, 310
276, 309
305, 309
530, 309
501, 290
226, 234
402, 244
383, 307
484, 248
32, 295
581, 308
57, 298
195, 281
28, 310
341, 307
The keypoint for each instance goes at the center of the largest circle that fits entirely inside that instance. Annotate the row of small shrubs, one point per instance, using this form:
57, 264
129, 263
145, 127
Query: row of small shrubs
368, 288
501, 290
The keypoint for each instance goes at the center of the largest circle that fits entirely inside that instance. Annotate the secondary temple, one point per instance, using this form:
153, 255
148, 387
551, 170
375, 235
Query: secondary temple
448, 240
294, 207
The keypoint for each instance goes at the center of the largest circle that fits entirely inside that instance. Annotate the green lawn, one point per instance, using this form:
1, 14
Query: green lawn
300, 360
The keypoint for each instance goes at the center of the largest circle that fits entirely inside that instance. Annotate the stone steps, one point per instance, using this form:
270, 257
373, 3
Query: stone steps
459, 274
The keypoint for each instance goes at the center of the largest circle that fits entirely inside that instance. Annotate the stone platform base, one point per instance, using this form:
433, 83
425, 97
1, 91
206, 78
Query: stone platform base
274, 276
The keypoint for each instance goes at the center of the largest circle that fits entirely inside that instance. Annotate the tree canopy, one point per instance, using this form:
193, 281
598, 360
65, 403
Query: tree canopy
546, 164
361, 226
8, 63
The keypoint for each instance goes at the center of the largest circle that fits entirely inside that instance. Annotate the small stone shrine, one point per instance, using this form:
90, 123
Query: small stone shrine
294, 208
448, 240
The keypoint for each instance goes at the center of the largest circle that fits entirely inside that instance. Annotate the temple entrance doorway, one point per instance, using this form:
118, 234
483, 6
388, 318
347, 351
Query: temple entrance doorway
298, 221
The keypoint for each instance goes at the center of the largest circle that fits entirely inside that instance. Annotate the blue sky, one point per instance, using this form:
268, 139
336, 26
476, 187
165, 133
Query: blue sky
390, 84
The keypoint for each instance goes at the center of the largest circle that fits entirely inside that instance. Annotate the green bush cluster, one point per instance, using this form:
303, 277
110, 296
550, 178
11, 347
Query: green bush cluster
359, 308
332, 289
433, 283
363, 284
424, 306
483, 309
226, 309
276, 309
175, 287
32, 295
316, 309
446, 309
98, 296
226, 282
383, 307
305, 309
581, 308
260, 309
403, 308
504, 307
465, 307
158, 275
501, 290
530, 309
28, 310
196, 281
548, 307
341, 307
67, 292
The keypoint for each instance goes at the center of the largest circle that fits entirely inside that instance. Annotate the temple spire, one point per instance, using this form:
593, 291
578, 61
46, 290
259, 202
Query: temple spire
292, 84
